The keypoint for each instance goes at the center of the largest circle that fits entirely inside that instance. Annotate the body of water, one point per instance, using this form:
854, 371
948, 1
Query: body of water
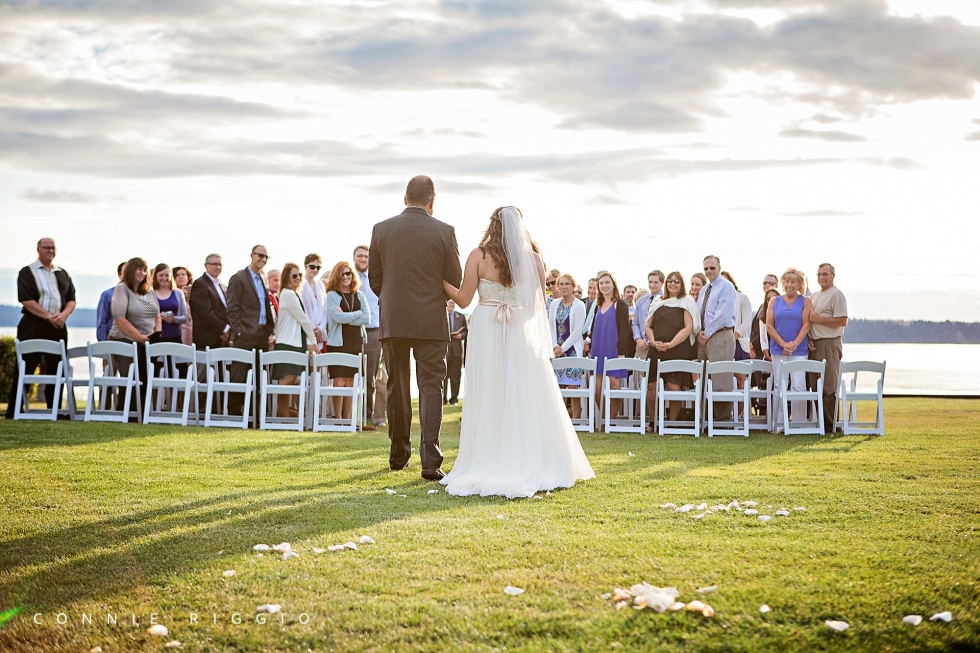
911, 368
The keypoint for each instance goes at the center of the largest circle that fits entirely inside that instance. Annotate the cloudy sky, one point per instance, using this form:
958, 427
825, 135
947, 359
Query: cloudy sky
632, 134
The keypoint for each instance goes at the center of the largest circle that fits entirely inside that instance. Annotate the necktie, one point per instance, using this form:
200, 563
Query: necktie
704, 306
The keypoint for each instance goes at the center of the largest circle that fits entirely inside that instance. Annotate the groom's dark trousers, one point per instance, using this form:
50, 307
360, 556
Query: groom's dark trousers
430, 370
411, 255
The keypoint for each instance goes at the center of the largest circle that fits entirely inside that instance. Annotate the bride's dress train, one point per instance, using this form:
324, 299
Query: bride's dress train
516, 437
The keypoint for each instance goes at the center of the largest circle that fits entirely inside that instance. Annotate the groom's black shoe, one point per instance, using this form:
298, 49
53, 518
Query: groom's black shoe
433, 474
397, 468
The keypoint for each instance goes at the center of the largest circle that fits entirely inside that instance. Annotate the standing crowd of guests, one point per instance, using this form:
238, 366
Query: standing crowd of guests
310, 309
713, 321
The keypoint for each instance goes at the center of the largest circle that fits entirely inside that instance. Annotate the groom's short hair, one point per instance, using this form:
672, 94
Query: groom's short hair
420, 191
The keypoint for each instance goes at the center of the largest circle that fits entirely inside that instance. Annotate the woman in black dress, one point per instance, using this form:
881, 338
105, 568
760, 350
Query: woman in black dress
348, 313
672, 324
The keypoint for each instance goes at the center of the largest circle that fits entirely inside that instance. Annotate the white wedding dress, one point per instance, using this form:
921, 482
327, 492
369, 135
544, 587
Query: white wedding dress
516, 438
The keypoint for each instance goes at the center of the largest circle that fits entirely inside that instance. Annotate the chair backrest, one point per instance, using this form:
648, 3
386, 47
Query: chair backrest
289, 357
694, 367
78, 352
173, 349
862, 366
760, 365
56, 347
230, 355
589, 364
632, 364
108, 348
729, 367
340, 360
804, 365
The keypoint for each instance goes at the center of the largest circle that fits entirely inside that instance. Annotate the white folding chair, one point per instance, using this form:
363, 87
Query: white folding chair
735, 397
765, 394
322, 391
218, 364
693, 396
22, 409
847, 398
112, 390
73, 379
585, 392
168, 383
813, 397
268, 417
629, 423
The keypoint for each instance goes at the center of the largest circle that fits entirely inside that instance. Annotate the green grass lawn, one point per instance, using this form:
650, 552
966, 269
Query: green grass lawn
131, 521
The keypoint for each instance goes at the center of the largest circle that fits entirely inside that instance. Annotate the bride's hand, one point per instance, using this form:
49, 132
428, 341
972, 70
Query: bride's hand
451, 290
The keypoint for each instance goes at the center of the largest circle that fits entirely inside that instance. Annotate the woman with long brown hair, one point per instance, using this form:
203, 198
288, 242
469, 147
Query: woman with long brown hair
294, 332
516, 437
673, 322
136, 316
348, 312
611, 335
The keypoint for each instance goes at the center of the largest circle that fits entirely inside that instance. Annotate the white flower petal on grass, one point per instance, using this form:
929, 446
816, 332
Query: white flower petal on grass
749, 504
513, 591
676, 606
914, 619
500, 516
606, 596
701, 506
720, 506
701, 516
270, 608
366, 540
350, 545
335, 547
707, 590
620, 594
800, 509
537, 497
695, 606
159, 630
282, 547
764, 609
403, 496
764, 517
708, 611
942, 616
289, 555
782, 513
668, 505
172, 644
687, 507
839, 626
631, 454
433, 492
390, 491
316, 550
261, 547
229, 573
620, 605
95, 649
734, 504
751, 511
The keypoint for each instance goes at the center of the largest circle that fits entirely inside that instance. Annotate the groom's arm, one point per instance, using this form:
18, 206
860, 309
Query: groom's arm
452, 272
375, 271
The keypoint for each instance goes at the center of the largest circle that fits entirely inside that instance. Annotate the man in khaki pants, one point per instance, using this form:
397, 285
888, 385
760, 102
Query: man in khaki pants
716, 342
827, 321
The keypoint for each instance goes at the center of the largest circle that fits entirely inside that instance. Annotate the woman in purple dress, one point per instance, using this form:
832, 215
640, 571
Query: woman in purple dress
611, 334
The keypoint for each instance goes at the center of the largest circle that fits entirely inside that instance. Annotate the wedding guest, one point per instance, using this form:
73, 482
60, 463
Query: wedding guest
456, 354
251, 321
550, 291
788, 326
136, 318
47, 296
294, 332
628, 293
566, 319
716, 306
173, 311
314, 295
611, 334
672, 328
348, 313
103, 312
183, 279
743, 327
589, 317
764, 335
698, 281
578, 293
209, 302
770, 283
828, 317
593, 293
373, 415
274, 279
655, 282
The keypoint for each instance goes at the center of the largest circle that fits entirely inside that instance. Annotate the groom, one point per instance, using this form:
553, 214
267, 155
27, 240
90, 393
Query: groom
411, 255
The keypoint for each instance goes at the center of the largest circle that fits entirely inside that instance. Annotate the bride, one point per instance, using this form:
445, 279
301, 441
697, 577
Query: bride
516, 437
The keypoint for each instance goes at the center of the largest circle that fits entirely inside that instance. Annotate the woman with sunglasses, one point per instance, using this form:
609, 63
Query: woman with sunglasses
348, 313
294, 332
315, 298
673, 323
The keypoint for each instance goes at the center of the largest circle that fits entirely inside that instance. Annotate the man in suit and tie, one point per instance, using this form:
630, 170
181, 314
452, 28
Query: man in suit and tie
250, 318
411, 255
456, 355
209, 306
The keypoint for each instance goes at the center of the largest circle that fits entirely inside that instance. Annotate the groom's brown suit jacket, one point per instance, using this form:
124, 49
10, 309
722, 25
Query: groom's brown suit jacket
411, 255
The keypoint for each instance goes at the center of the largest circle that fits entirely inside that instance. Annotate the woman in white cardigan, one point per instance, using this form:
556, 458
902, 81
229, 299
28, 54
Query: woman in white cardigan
566, 317
294, 332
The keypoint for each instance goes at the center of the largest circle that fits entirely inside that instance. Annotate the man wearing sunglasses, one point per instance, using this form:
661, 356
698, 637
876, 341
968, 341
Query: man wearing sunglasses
716, 342
251, 320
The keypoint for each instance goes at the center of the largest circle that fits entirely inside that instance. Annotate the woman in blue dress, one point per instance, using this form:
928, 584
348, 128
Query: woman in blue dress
567, 319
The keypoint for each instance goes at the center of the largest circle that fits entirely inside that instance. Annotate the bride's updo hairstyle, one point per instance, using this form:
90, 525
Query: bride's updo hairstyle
492, 245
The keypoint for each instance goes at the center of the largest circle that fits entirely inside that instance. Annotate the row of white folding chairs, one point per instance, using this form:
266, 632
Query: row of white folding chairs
110, 397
